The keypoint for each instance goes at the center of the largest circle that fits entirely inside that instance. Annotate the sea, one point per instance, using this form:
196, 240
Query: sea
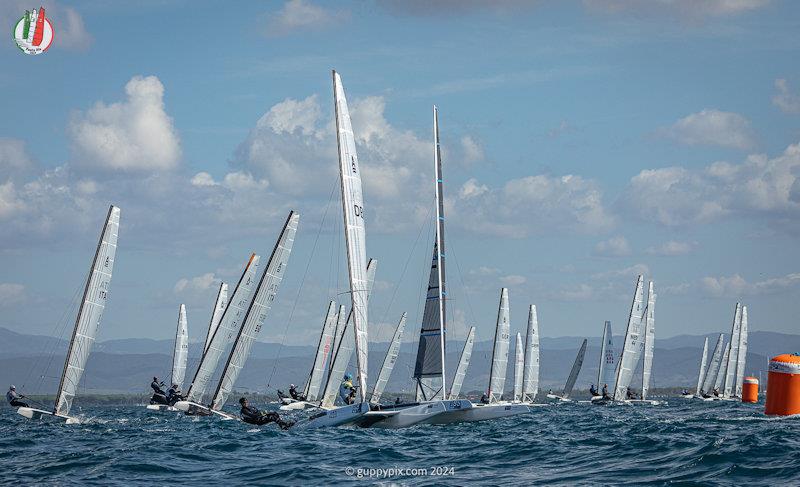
682, 442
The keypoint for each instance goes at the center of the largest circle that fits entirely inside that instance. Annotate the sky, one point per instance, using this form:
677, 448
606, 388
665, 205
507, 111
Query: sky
584, 143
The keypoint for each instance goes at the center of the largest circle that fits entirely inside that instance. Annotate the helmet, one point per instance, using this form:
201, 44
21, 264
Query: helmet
13, 388
291, 386
348, 376
155, 378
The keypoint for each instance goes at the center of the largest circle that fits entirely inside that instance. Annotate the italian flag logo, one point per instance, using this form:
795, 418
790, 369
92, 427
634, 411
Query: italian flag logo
33, 32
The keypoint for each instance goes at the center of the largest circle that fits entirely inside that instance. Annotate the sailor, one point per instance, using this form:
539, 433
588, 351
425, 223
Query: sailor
484, 399
156, 386
159, 396
630, 394
593, 390
716, 391
685, 392
347, 391
398, 401
605, 392
174, 394
254, 416
296, 395
14, 398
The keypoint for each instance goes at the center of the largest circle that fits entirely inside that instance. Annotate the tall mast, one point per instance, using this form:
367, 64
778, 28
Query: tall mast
437, 161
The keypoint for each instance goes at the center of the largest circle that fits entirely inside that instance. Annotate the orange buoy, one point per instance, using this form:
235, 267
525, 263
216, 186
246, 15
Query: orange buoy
750, 389
783, 385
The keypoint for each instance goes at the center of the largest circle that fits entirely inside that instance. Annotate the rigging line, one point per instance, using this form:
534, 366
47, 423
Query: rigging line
422, 290
299, 290
461, 278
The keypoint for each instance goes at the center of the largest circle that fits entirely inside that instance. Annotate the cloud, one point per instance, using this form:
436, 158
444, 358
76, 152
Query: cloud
13, 157
194, 284
683, 8
787, 101
297, 15
513, 280
11, 293
760, 187
471, 189
449, 8
203, 179
736, 286
712, 127
581, 292
631, 271
671, 248
614, 247
675, 289
135, 135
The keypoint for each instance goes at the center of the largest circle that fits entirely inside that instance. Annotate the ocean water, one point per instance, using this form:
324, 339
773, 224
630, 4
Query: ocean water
683, 442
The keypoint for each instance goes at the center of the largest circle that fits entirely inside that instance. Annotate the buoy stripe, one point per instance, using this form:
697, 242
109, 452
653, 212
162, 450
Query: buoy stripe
784, 367
750, 380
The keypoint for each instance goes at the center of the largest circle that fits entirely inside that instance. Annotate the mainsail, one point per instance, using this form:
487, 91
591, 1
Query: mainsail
740, 364
605, 374
519, 366
722, 372
703, 364
733, 353
318, 369
497, 376
388, 361
632, 346
258, 310
226, 331
649, 339
181, 352
338, 333
530, 374
576, 368
355, 235
429, 369
713, 366
463, 363
216, 314
91, 311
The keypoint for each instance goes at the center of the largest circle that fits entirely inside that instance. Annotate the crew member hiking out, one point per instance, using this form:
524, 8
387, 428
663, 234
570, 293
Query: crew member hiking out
252, 415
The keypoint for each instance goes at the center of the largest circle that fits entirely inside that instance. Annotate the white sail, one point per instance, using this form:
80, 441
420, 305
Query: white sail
713, 366
576, 369
649, 339
389, 361
318, 369
497, 376
91, 311
338, 333
733, 353
632, 346
723, 365
519, 366
226, 331
605, 375
703, 363
742, 355
216, 314
181, 353
258, 310
342, 354
530, 375
355, 235
463, 363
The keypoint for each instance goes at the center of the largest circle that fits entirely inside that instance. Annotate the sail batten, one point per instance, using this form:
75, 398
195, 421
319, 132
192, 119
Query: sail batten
181, 353
463, 363
388, 361
497, 375
90, 313
530, 375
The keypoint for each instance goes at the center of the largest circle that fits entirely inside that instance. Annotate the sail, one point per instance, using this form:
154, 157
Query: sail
649, 339
216, 314
497, 375
91, 311
463, 363
355, 235
733, 353
226, 331
605, 375
742, 355
318, 369
389, 361
519, 366
181, 353
258, 310
530, 374
344, 350
631, 347
432, 346
713, 366
338, 333
723, 365
703, 363
576, 369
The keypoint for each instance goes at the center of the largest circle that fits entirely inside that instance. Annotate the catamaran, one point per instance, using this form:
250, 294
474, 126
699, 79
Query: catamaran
573, 375
723, 379
86, 324
257, 310
180, 355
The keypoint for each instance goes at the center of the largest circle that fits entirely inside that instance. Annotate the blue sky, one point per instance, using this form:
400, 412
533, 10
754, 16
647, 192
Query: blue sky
585, 142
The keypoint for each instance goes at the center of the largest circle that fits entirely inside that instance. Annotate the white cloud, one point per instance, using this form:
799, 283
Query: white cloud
203, 179
671, 248
471, 189
675, 289
449, 8
132, 135
513, 280
787, 101
13, 156
712, 127
581, 292
686, 8
759, 186
9, 203
472, 151
299, 15
11, 293
736, 286
631, 271
194, 284
614, 247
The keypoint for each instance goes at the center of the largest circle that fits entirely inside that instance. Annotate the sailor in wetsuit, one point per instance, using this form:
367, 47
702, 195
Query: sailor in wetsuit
14, 398
159, 396
347, 391
174, 394
605, 392
296, 395
593, 390
254, 416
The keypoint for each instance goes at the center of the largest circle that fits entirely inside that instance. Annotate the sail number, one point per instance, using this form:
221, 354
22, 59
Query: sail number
359, 211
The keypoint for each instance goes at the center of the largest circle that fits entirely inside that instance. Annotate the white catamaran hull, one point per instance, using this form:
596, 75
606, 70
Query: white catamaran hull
479, 412
643, 402
200, 410
292, 406
411, 415
161, 407
559, 398
336, 417
33, 413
